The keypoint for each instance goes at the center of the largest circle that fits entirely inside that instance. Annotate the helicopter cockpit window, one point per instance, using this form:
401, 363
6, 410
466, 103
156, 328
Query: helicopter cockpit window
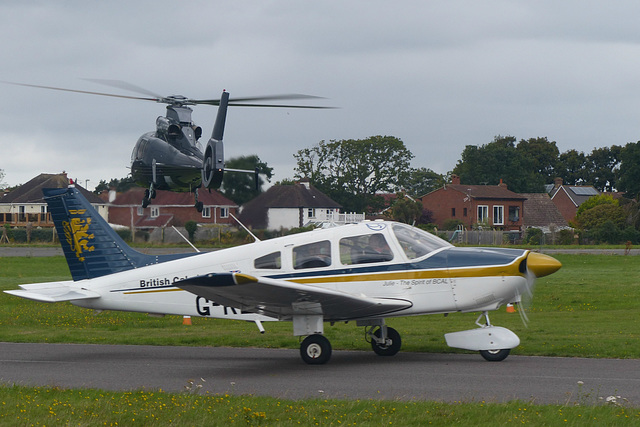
415, 242
313, 255
272, 261
365, 249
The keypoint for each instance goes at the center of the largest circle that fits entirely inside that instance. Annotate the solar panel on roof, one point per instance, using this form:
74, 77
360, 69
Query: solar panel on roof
585, 191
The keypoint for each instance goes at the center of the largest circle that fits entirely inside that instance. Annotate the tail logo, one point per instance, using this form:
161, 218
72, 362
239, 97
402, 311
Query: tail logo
76, 232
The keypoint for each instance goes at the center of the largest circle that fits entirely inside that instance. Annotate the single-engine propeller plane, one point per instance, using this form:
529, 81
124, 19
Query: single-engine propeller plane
364, 273
172, 157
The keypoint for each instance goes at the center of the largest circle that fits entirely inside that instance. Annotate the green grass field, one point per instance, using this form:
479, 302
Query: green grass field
588, 309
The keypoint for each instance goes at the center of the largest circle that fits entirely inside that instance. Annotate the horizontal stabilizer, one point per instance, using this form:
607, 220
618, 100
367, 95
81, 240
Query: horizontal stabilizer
53, 292
283, 299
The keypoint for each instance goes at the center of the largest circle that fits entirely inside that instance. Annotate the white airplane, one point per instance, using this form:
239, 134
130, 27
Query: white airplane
363, 272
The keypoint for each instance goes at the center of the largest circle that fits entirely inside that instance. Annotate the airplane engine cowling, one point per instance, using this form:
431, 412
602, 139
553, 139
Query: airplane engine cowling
213, 164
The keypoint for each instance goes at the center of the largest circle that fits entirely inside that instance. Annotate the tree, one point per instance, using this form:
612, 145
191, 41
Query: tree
120, 185
421, 181
2, 175
598, 215
592, 202
351, 172
191, 227
241, 187
629, 173
499, 159
543, 155
405, 209
602, 165
572, 167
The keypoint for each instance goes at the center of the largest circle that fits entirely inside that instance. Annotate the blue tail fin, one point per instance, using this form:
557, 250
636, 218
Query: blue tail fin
90, 245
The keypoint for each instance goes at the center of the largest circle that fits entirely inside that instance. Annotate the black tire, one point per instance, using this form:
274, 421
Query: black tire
495, 355
145, 202
199, 206
315, 350
389, 349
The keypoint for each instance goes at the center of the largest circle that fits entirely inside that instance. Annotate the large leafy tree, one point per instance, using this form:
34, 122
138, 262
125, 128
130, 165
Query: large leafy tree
499, 160
1, 179
629, 173
542, 155
120, 185
421, 181
351, 172
602, 165
572, 167
241, 187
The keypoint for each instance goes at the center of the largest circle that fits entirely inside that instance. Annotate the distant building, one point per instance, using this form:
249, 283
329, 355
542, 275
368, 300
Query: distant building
568, 198
289, 206
169, 208
542, 213
493, 205
26, 204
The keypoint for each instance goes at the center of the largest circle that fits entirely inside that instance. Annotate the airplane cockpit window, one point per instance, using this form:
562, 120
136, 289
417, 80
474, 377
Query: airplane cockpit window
271, 261
313, 255
415, 242
365, 249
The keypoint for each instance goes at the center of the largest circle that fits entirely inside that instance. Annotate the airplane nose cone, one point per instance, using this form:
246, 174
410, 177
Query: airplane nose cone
542, 265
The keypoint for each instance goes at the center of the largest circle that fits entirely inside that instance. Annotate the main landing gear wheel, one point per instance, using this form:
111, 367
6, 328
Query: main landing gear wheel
495, 355
315, 349
391, 345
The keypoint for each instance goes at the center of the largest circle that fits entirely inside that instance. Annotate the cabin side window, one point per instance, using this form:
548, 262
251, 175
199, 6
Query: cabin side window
415, 242
365, 249
313, 255
272, 261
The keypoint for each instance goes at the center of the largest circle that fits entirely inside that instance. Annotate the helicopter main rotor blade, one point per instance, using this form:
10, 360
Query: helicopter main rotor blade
83, 91
279, 106
120, 84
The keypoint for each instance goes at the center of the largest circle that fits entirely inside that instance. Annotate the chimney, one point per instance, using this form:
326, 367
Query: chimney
455, 180
557, 183
502, 184
305, 182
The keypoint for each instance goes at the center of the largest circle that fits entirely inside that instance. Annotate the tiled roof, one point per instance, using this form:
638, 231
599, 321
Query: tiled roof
161, 220
577, 193
540, 211
133, 197
254, 212
486, 191
31, 192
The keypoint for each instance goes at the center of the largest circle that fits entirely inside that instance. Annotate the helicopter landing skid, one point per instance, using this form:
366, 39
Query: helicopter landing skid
148, 195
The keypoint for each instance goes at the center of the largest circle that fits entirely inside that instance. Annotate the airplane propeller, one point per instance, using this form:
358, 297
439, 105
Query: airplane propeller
537, 265
179, 100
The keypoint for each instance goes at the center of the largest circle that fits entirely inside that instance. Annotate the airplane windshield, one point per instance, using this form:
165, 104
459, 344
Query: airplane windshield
415, 242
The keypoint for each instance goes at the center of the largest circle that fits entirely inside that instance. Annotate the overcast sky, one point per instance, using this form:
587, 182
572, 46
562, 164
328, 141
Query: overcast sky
439, 75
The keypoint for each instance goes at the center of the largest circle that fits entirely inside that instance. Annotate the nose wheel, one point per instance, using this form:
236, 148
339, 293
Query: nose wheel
315, 349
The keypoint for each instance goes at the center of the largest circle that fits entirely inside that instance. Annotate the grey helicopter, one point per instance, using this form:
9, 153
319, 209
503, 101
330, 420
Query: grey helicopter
172, 157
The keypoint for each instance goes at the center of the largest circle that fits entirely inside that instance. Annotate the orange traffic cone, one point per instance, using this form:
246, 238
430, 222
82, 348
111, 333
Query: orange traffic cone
511, 308
186, 320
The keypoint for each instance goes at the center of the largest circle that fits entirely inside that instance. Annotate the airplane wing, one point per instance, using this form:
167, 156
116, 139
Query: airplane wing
283, 299
53, 292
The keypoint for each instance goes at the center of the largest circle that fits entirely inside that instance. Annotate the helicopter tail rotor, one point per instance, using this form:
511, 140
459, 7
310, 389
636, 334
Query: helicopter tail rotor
213, 162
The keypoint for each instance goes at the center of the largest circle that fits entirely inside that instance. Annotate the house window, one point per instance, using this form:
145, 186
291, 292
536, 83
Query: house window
311, 213
498, 215
483, 213
514, 213
453, 212
140, 211
206, 212
155, 212
43, 209
224, 212
464, 211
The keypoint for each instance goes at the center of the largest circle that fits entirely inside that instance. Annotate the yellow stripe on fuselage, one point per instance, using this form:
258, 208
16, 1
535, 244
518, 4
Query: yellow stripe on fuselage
492, 271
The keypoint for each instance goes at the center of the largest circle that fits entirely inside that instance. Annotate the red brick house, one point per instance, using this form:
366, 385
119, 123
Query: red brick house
568, 198
170, 208
492, 205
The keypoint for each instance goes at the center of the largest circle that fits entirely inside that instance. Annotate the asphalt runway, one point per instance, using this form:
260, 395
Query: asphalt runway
350, 374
